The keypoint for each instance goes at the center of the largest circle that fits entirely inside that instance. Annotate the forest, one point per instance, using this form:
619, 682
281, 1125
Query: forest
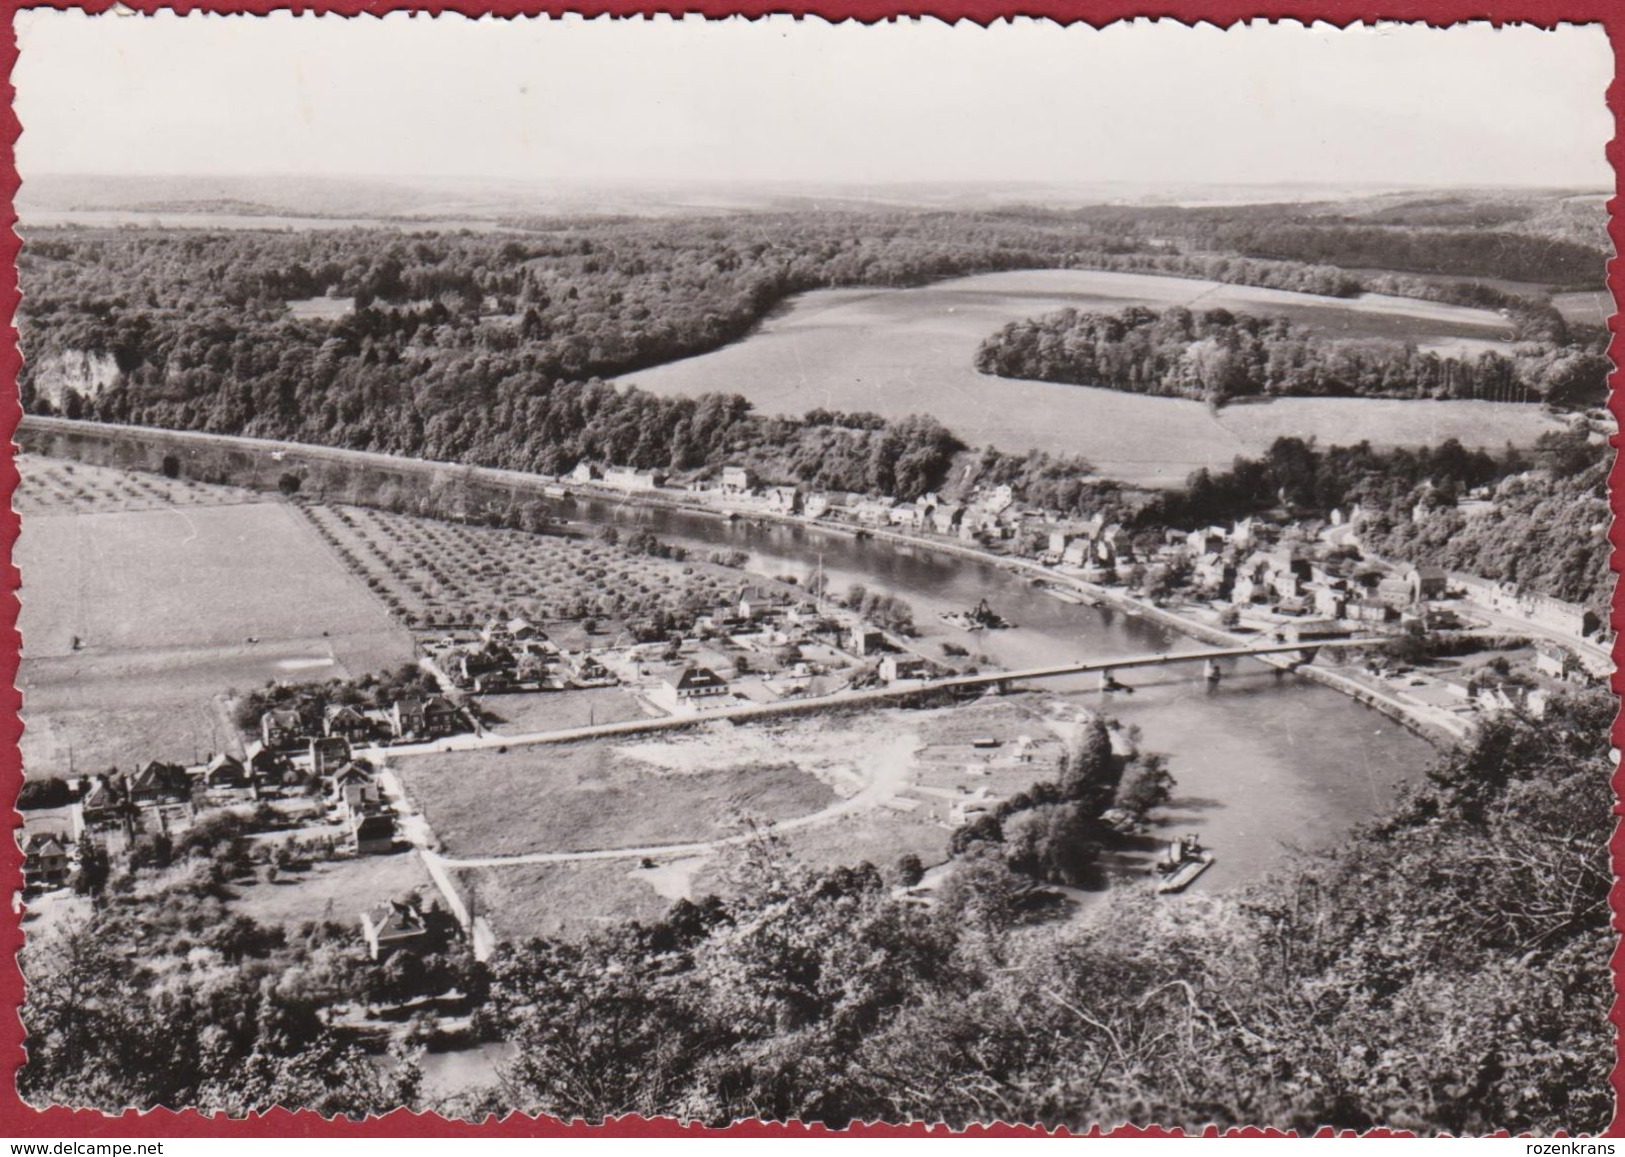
1444, 968
482, 348
1547, 531
1216, 355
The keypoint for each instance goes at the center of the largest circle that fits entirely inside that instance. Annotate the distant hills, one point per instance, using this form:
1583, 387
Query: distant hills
1570, 214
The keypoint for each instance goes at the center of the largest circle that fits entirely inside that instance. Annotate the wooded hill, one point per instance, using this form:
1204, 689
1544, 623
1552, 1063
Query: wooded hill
477, 347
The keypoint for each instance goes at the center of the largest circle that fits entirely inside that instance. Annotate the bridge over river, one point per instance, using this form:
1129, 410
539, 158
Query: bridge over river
1287, 656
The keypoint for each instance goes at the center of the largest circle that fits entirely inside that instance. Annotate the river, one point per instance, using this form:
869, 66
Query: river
1264, 760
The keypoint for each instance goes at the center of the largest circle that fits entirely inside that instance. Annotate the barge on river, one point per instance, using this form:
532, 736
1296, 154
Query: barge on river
1185, 860
981, 617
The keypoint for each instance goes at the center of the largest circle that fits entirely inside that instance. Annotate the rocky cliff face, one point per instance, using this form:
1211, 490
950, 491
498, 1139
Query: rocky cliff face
85, 373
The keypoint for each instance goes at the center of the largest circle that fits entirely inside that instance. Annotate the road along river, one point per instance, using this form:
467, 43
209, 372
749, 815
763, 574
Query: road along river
1265, 760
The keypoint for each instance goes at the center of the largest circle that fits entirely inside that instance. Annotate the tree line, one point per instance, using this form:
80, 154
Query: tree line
1216, 355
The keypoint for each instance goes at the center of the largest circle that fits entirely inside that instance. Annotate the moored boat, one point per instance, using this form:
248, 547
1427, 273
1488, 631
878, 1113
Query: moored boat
981, 617
1185, 860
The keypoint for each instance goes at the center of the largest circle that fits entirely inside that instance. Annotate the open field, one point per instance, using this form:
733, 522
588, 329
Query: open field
1588, 306
899, 768
907, 351
433, 572
171, 607
336, 890
56, 486
523, 712
322, 308
923, 749
207, 576
586, 796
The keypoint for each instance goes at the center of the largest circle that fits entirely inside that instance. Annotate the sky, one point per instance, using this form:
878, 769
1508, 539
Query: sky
579, 101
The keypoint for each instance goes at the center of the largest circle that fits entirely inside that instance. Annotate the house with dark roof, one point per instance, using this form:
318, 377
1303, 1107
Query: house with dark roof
373, 832
347, 722
225, 772
691, 689
268, 767
105, 802
155, 783
45, 861
442, 717
405, 924
281, 728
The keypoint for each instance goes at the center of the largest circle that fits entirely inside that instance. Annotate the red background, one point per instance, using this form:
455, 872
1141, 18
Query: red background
18, 1120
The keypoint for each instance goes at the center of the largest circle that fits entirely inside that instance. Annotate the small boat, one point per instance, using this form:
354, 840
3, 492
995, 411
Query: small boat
1066, 594
1185, 860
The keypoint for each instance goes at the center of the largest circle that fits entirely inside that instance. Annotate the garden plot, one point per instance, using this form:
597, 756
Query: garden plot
56, 486
440, 574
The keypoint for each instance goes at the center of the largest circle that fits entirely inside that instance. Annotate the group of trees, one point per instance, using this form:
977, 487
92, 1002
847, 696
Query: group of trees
1055, 830
886, 611
1216, 355
1471, 252
311, 700
483, 348
1547, 533
165, 998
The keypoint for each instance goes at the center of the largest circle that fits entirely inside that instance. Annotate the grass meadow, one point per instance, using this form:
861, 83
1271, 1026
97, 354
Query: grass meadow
587, 796
908, 351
